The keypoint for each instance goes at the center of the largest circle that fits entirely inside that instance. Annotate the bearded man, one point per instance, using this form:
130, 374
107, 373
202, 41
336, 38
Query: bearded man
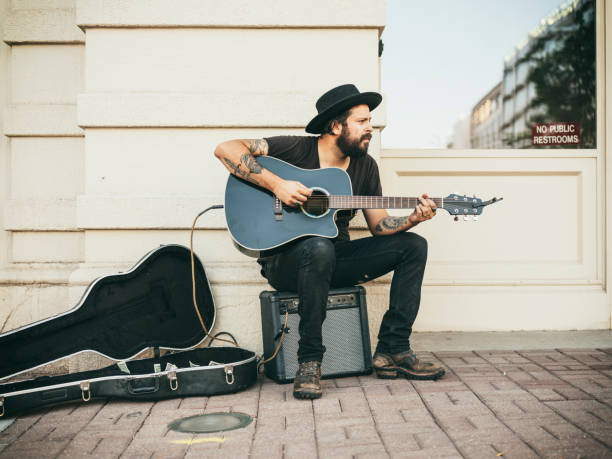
312, 265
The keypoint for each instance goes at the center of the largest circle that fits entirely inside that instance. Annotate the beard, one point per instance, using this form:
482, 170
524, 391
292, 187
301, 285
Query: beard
351, 147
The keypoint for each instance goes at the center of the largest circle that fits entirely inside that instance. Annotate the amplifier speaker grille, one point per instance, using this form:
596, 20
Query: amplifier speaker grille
345, 334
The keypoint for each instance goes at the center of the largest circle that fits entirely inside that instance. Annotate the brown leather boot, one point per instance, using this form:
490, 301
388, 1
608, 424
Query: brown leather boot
307, 383
406, 364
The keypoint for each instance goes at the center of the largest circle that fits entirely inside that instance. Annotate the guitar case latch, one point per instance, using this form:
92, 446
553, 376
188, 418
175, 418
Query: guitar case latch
173, 380
85, 391
229, 374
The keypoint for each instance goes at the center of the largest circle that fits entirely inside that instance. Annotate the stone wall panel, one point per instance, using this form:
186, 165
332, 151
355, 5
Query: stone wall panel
232, 13
229, 61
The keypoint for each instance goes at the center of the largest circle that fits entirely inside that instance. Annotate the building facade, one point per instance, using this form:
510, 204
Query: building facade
112, 111
539, 260
485, 120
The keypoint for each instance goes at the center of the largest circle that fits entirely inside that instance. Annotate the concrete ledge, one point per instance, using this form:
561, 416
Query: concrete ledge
147, 212
47, 246
41, 120
37, 273
240, 273
517, 340
150, 212
501, 308
232, 109
230, 13
47, 25
24, 304
39, 214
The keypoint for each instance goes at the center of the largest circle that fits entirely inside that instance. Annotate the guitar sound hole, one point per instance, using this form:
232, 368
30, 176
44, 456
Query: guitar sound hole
317, 204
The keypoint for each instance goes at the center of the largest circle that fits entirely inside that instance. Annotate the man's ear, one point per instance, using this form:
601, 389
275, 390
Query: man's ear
337, 128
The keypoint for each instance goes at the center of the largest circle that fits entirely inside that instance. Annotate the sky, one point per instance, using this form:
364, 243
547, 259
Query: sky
441, 56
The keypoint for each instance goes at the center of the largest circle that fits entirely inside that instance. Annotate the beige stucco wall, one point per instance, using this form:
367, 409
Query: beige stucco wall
41, 157
4, 147
112, 110
527, 263
112, 115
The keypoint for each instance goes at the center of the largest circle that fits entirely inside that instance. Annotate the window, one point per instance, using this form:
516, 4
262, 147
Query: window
521, 100
521, 72
508, 110
519, 62
509, 82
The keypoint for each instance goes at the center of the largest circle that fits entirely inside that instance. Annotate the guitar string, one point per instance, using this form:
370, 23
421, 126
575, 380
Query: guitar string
375, 198
348, 196
382, 201
358, 202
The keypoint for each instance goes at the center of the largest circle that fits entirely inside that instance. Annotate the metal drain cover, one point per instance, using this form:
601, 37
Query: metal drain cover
213, 422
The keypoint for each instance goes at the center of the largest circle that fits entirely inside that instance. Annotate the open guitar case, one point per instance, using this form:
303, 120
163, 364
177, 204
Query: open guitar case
119, 316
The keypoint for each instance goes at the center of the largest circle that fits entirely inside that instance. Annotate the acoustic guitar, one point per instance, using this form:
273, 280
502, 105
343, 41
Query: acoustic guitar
257, 220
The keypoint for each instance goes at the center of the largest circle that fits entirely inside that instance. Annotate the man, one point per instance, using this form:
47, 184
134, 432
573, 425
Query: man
311, 266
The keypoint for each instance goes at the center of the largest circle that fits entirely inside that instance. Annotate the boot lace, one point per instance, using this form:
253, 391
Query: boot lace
309, 368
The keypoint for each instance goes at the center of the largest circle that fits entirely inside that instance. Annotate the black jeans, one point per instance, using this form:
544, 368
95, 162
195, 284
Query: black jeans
314, 265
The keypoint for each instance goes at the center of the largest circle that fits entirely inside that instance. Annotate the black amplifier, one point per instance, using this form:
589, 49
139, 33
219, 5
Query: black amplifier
346, 334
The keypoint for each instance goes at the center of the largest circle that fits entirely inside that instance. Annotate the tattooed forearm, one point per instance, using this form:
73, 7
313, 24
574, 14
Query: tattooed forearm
391, 224
237, 170
258, 147
239, 156
251, 163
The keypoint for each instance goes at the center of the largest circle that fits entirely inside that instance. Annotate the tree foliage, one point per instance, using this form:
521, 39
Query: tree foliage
563, 73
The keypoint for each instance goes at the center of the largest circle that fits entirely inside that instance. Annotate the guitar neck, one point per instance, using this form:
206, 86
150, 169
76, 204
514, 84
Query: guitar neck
376, 202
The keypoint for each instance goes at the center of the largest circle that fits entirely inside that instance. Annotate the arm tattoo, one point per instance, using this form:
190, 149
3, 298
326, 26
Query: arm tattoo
237, 171
248, 164
258, 147
391, 223
251, 163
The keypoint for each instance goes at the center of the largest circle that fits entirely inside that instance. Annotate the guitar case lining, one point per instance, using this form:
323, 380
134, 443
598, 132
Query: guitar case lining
119, 316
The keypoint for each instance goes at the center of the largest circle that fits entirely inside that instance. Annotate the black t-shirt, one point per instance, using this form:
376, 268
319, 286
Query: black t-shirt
303, 151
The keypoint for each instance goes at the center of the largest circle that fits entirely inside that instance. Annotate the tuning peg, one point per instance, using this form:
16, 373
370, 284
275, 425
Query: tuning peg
466, 217
475, 218
456, 218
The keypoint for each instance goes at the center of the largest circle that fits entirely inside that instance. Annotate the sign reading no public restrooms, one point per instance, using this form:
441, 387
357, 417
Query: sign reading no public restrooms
555, 134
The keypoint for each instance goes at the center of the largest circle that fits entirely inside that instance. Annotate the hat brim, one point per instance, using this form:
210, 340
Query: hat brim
317, 124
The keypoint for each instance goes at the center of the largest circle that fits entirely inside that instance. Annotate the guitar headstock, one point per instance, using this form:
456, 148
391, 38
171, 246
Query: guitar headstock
463, 205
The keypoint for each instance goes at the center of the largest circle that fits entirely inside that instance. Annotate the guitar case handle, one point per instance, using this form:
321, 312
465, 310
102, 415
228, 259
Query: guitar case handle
145, 386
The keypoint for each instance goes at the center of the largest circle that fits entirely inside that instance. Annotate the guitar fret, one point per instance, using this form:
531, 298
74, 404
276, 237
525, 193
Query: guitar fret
376, 202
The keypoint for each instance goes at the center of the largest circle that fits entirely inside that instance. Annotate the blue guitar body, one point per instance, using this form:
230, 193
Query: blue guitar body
250, 209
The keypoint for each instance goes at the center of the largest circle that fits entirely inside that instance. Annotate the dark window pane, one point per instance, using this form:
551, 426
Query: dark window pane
558, 67
491, 77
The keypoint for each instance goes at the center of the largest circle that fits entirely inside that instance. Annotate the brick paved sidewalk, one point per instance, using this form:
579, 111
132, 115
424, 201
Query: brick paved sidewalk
552, 403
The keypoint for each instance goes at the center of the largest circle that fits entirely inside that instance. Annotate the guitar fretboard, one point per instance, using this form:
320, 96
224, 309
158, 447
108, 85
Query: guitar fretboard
376, 202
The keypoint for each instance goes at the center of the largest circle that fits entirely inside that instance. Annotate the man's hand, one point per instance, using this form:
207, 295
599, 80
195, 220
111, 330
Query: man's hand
426, 210
291, 192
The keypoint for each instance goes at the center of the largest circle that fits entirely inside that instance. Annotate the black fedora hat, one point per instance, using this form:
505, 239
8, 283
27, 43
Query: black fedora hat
338, 100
